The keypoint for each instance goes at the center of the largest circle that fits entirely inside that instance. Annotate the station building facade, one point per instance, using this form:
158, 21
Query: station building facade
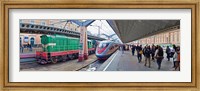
34, 39
164, 39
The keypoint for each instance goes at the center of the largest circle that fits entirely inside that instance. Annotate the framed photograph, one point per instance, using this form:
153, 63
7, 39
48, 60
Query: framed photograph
101, 45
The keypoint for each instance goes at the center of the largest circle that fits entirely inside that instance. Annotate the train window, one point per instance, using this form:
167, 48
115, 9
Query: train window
111, 48
102, 45
25, 37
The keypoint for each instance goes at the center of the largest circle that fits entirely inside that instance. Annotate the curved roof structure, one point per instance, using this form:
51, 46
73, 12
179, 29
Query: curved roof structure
130, 30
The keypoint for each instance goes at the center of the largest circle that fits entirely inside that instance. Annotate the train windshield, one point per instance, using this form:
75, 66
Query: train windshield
102, 45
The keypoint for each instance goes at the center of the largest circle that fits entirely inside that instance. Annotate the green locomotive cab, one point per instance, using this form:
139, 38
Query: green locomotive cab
44, 39
48, 43
89, 43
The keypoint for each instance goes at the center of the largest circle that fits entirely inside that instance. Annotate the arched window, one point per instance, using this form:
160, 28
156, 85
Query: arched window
32, 40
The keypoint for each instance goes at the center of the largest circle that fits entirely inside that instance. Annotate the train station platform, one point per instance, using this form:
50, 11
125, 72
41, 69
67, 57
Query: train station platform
29, 54
127, 62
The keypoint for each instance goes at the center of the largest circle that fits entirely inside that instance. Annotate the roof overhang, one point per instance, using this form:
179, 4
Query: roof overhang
130, 30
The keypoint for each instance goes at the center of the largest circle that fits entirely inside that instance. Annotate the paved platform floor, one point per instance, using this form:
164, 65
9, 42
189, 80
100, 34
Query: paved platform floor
129, 62
29, 54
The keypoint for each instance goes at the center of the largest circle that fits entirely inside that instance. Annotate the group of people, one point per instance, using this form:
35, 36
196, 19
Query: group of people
175, 54
156, 52
28, 47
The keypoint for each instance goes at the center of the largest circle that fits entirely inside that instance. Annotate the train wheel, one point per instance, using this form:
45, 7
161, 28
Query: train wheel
49, 61
67, 57
64, 58
76, 55
54, 60
60, 58
71, 56
38, 60
93, 52
43, 62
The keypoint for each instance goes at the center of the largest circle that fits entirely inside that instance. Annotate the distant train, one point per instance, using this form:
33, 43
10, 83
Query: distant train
105, 49
60, 48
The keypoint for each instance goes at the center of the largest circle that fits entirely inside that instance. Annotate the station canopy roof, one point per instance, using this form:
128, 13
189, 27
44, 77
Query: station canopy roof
130, 30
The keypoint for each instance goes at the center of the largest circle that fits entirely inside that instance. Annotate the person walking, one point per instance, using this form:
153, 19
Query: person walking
133, 49
122, 49
168, 52
153, 49
147, 53
30, 46
21, 48
159, 56
139, 53
143, 51
172, 54
176, 58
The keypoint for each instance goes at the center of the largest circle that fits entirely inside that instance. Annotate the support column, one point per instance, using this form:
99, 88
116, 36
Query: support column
86, 44
81, 45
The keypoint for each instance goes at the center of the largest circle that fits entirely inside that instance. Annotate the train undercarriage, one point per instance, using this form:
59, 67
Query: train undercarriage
54, 57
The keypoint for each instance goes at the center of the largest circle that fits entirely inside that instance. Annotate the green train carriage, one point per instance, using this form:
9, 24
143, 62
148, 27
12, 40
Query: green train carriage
59, 47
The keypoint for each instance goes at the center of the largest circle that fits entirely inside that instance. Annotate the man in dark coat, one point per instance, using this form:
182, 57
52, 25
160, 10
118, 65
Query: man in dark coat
133, 49
168, 52
147, 53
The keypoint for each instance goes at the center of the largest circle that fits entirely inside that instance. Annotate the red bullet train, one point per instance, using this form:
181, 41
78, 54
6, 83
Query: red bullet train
105, 49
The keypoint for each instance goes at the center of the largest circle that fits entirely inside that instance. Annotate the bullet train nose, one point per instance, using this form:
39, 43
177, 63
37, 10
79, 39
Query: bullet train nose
100, 50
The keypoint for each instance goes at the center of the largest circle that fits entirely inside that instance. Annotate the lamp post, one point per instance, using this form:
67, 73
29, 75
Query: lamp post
98, 29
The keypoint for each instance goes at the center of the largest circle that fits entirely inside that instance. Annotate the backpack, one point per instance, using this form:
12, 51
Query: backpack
160, 54
173, 50
172, 53
168, 51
